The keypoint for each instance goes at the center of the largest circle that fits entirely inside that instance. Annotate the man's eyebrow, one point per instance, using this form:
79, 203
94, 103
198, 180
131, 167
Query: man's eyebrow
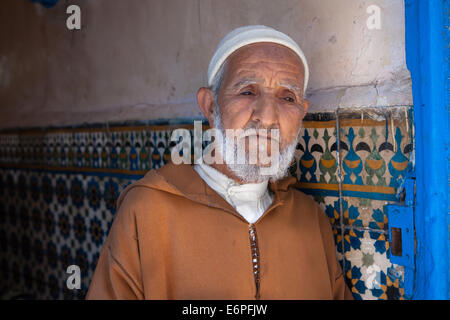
288, 85
296, 89
245, 82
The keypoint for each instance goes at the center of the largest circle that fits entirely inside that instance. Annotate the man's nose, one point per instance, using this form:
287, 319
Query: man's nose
266, 112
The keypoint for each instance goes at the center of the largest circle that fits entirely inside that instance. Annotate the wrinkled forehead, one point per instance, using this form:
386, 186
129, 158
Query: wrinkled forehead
259, 58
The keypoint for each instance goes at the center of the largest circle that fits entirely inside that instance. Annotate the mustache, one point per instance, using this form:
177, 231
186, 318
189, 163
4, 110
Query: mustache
262, 132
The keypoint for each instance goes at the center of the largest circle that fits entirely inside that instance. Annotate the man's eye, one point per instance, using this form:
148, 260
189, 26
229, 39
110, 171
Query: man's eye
288, 99
246, 93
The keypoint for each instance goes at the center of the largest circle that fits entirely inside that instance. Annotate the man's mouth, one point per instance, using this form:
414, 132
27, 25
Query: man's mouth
260, 136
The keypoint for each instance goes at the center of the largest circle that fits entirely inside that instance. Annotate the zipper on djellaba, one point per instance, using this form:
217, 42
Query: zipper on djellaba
255, 257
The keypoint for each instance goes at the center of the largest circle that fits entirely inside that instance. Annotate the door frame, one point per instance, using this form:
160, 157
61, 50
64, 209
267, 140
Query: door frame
427, 50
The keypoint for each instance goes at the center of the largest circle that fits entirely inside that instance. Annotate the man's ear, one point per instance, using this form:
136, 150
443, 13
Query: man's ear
205, 100
305, 107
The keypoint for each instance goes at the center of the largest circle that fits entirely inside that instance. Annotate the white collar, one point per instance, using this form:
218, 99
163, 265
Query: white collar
226, 186
250, 200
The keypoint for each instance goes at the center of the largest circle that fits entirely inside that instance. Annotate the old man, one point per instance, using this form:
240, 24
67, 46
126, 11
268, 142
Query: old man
227, 230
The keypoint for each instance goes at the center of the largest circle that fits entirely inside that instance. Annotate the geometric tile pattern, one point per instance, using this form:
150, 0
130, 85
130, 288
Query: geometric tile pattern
50, 221
352, 178
58, 189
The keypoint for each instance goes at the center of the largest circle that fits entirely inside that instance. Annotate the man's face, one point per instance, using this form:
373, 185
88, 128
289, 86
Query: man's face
263, 88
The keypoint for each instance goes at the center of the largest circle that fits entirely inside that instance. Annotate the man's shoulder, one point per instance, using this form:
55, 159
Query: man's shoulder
170, 179
307, 205
301, 197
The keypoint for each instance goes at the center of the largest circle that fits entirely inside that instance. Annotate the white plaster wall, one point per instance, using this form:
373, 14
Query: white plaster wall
145, 59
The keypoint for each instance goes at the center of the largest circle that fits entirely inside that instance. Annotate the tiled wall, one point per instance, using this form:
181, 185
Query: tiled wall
58, 189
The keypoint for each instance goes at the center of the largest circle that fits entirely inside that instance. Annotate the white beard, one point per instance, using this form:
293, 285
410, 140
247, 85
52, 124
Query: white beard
253, 173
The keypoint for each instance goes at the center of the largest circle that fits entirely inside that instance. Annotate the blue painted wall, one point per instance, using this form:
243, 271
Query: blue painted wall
425, 54
447, 87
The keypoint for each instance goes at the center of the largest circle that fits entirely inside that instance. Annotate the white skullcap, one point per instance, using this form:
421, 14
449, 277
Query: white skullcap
243, 36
